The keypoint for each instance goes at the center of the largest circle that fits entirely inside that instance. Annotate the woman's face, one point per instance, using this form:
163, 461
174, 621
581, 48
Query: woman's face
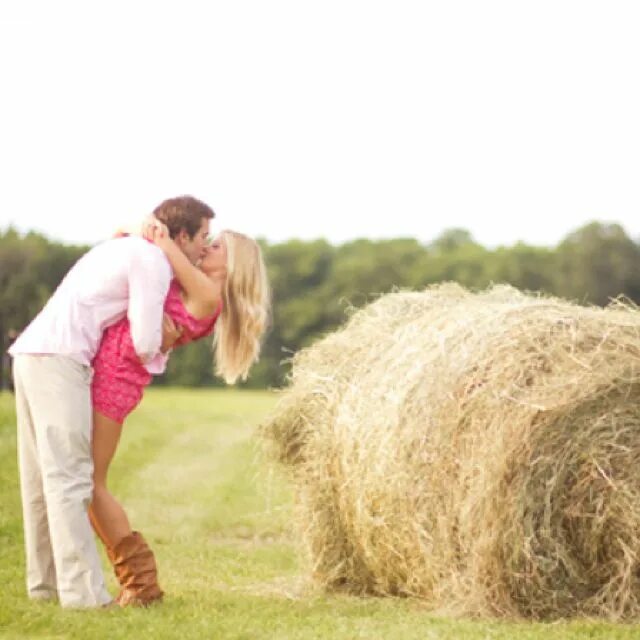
215, 257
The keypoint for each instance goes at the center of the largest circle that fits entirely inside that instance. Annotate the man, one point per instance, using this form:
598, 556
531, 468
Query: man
52, 376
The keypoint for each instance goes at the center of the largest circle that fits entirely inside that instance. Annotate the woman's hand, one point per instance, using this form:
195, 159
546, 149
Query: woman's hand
153, 229
148, 228
170, 333
157, 232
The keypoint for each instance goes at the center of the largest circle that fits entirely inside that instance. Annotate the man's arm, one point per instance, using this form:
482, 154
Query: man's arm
149, 279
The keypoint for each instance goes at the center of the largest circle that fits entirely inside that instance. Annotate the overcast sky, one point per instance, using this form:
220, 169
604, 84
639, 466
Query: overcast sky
335, 118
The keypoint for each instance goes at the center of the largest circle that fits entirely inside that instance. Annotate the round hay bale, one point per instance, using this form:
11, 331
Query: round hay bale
478, 451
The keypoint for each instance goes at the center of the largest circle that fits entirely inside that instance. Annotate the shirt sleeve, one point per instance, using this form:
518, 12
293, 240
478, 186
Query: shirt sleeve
149, 278
157, 365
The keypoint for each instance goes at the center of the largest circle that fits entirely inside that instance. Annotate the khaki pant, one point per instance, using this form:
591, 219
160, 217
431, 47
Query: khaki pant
53, 405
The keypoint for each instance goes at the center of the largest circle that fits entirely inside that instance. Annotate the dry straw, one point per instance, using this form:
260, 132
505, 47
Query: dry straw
478, 451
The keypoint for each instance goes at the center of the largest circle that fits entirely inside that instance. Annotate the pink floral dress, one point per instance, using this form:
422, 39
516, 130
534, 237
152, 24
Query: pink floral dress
119, 377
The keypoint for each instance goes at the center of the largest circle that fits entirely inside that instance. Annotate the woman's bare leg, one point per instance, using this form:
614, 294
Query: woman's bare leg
107, 516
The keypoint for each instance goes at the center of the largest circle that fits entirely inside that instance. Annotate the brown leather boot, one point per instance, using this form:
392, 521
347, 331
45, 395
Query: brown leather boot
135, 567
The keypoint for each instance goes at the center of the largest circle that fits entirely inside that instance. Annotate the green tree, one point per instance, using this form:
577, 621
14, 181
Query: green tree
525, 267
314, 282
452, 240
31, 267
191, 366
596, 263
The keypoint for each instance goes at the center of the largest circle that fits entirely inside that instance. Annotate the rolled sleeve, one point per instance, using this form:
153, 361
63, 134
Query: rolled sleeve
158, 363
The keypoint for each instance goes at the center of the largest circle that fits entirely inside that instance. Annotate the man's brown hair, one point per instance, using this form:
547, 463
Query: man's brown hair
184, 212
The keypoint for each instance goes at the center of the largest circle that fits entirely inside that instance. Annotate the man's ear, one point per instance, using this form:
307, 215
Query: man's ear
182, 238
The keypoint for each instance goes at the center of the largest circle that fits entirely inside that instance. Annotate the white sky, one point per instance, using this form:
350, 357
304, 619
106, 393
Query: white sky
335, 118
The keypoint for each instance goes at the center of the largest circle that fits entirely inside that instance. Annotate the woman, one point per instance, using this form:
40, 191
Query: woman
228, 291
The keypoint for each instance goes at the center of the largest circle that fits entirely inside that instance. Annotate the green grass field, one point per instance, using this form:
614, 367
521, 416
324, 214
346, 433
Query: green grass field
191, 477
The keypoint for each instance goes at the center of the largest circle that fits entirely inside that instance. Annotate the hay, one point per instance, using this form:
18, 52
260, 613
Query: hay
478, 451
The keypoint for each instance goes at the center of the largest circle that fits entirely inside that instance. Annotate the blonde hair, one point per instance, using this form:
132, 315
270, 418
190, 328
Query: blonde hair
246, 308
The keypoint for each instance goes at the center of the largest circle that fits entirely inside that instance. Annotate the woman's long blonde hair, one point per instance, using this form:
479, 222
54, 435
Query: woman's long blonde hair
246, 308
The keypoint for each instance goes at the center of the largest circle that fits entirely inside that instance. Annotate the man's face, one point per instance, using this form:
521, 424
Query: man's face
194, 248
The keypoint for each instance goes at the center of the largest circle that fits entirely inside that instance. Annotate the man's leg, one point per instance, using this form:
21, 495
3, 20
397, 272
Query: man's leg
61, 411
41, 573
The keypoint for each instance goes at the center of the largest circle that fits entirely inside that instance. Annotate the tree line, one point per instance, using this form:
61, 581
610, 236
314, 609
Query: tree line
314, 283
